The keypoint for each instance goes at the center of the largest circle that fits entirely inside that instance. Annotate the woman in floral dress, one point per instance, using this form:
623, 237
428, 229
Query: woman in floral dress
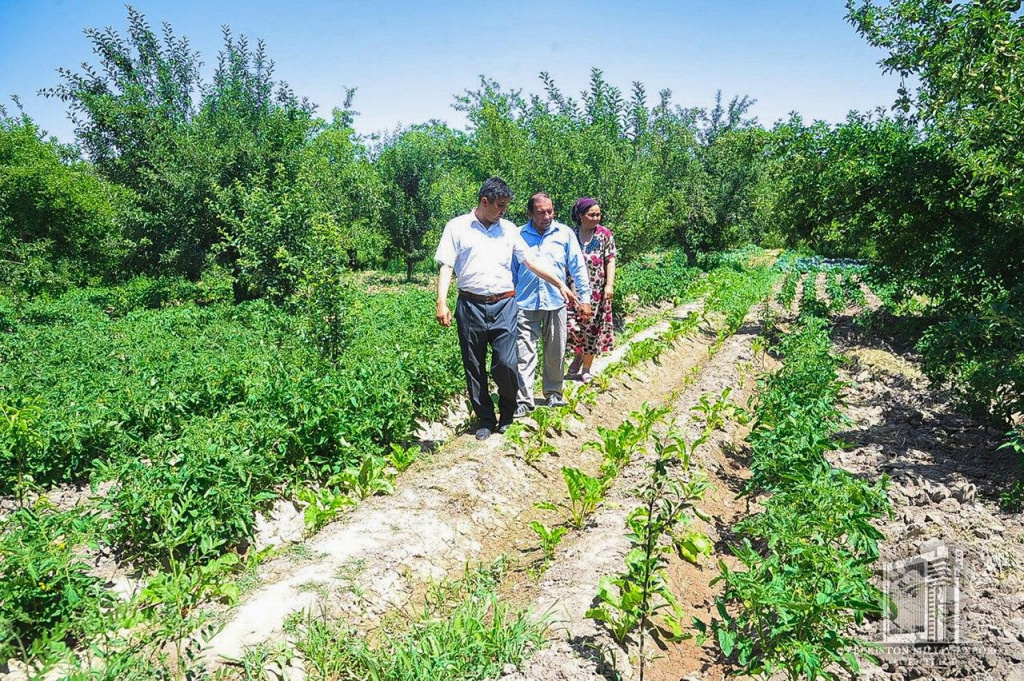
591, 338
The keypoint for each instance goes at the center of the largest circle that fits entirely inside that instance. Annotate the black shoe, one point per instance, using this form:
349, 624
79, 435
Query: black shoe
521, 411
502, 427
555, 400
483, 433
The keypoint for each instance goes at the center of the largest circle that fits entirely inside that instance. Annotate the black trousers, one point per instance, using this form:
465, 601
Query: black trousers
494, 324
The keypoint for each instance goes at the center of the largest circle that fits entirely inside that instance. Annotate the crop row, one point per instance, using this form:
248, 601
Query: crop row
806, 559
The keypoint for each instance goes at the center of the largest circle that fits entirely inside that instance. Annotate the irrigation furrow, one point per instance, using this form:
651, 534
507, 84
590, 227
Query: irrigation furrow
581, 648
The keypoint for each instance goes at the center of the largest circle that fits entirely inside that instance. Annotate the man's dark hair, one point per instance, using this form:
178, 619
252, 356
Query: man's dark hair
494, 188
533, 201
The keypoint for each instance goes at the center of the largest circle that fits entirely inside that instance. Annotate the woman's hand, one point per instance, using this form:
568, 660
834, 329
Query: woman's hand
608, 292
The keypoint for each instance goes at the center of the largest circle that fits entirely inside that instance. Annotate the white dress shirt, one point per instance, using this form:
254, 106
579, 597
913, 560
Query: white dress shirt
481, 256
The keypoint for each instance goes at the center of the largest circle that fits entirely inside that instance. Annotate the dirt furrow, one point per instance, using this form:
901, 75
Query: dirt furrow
580, 647
945, 474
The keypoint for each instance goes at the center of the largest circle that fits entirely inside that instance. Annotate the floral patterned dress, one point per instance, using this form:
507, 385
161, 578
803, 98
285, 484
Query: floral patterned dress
595, 336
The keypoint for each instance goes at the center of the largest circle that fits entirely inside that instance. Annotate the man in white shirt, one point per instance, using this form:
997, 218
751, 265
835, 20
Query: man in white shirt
478, 248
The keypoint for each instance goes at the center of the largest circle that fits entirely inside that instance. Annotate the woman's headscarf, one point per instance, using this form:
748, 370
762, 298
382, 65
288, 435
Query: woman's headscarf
582, 206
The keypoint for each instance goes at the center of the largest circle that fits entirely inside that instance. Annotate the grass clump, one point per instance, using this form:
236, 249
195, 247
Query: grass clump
462, 631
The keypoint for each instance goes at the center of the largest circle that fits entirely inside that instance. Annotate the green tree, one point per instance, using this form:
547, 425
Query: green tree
60, 223
148, 122
595, 146
427, 180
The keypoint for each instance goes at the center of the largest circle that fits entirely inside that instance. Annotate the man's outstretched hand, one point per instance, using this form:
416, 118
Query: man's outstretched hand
569, 295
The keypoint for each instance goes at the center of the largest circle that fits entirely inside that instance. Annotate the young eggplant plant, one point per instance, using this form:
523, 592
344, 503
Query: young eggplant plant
631, 600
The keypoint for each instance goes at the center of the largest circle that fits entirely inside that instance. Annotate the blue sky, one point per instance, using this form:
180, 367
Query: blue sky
408, 59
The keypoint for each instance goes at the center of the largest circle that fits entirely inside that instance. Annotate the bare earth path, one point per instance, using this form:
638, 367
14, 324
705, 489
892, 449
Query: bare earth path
945, 475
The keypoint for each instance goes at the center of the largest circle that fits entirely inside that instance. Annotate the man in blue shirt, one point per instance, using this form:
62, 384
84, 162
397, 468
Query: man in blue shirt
542, 312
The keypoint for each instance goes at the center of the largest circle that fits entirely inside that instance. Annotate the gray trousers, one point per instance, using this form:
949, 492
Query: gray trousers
550, 326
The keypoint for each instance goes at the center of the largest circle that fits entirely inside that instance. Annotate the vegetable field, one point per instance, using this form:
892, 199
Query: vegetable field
233, 437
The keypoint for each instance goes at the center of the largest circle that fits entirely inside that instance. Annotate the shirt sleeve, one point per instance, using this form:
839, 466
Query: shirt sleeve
578, 269
519, 249
445, 254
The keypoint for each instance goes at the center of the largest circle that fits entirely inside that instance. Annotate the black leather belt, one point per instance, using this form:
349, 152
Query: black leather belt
486, 299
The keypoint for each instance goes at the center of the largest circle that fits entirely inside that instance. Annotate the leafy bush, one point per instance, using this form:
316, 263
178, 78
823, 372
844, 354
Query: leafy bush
60, 223
652, 279
805, 560
199, 412
47, 594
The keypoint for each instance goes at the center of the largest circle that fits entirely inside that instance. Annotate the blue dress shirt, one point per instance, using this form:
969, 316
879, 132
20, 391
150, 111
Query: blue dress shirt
557, 250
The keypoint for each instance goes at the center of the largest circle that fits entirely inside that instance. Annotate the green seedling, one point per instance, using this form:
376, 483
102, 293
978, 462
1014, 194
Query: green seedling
370, 479
322, 506
716, 413
516, 436
692, 545
647, 416
679, 328
602, 382
531, 436
550, 538
673, 446
577, 397
759, 345
549, 420
403, 457
621, 606
617, 445
712, 412
612, 370
585, 494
